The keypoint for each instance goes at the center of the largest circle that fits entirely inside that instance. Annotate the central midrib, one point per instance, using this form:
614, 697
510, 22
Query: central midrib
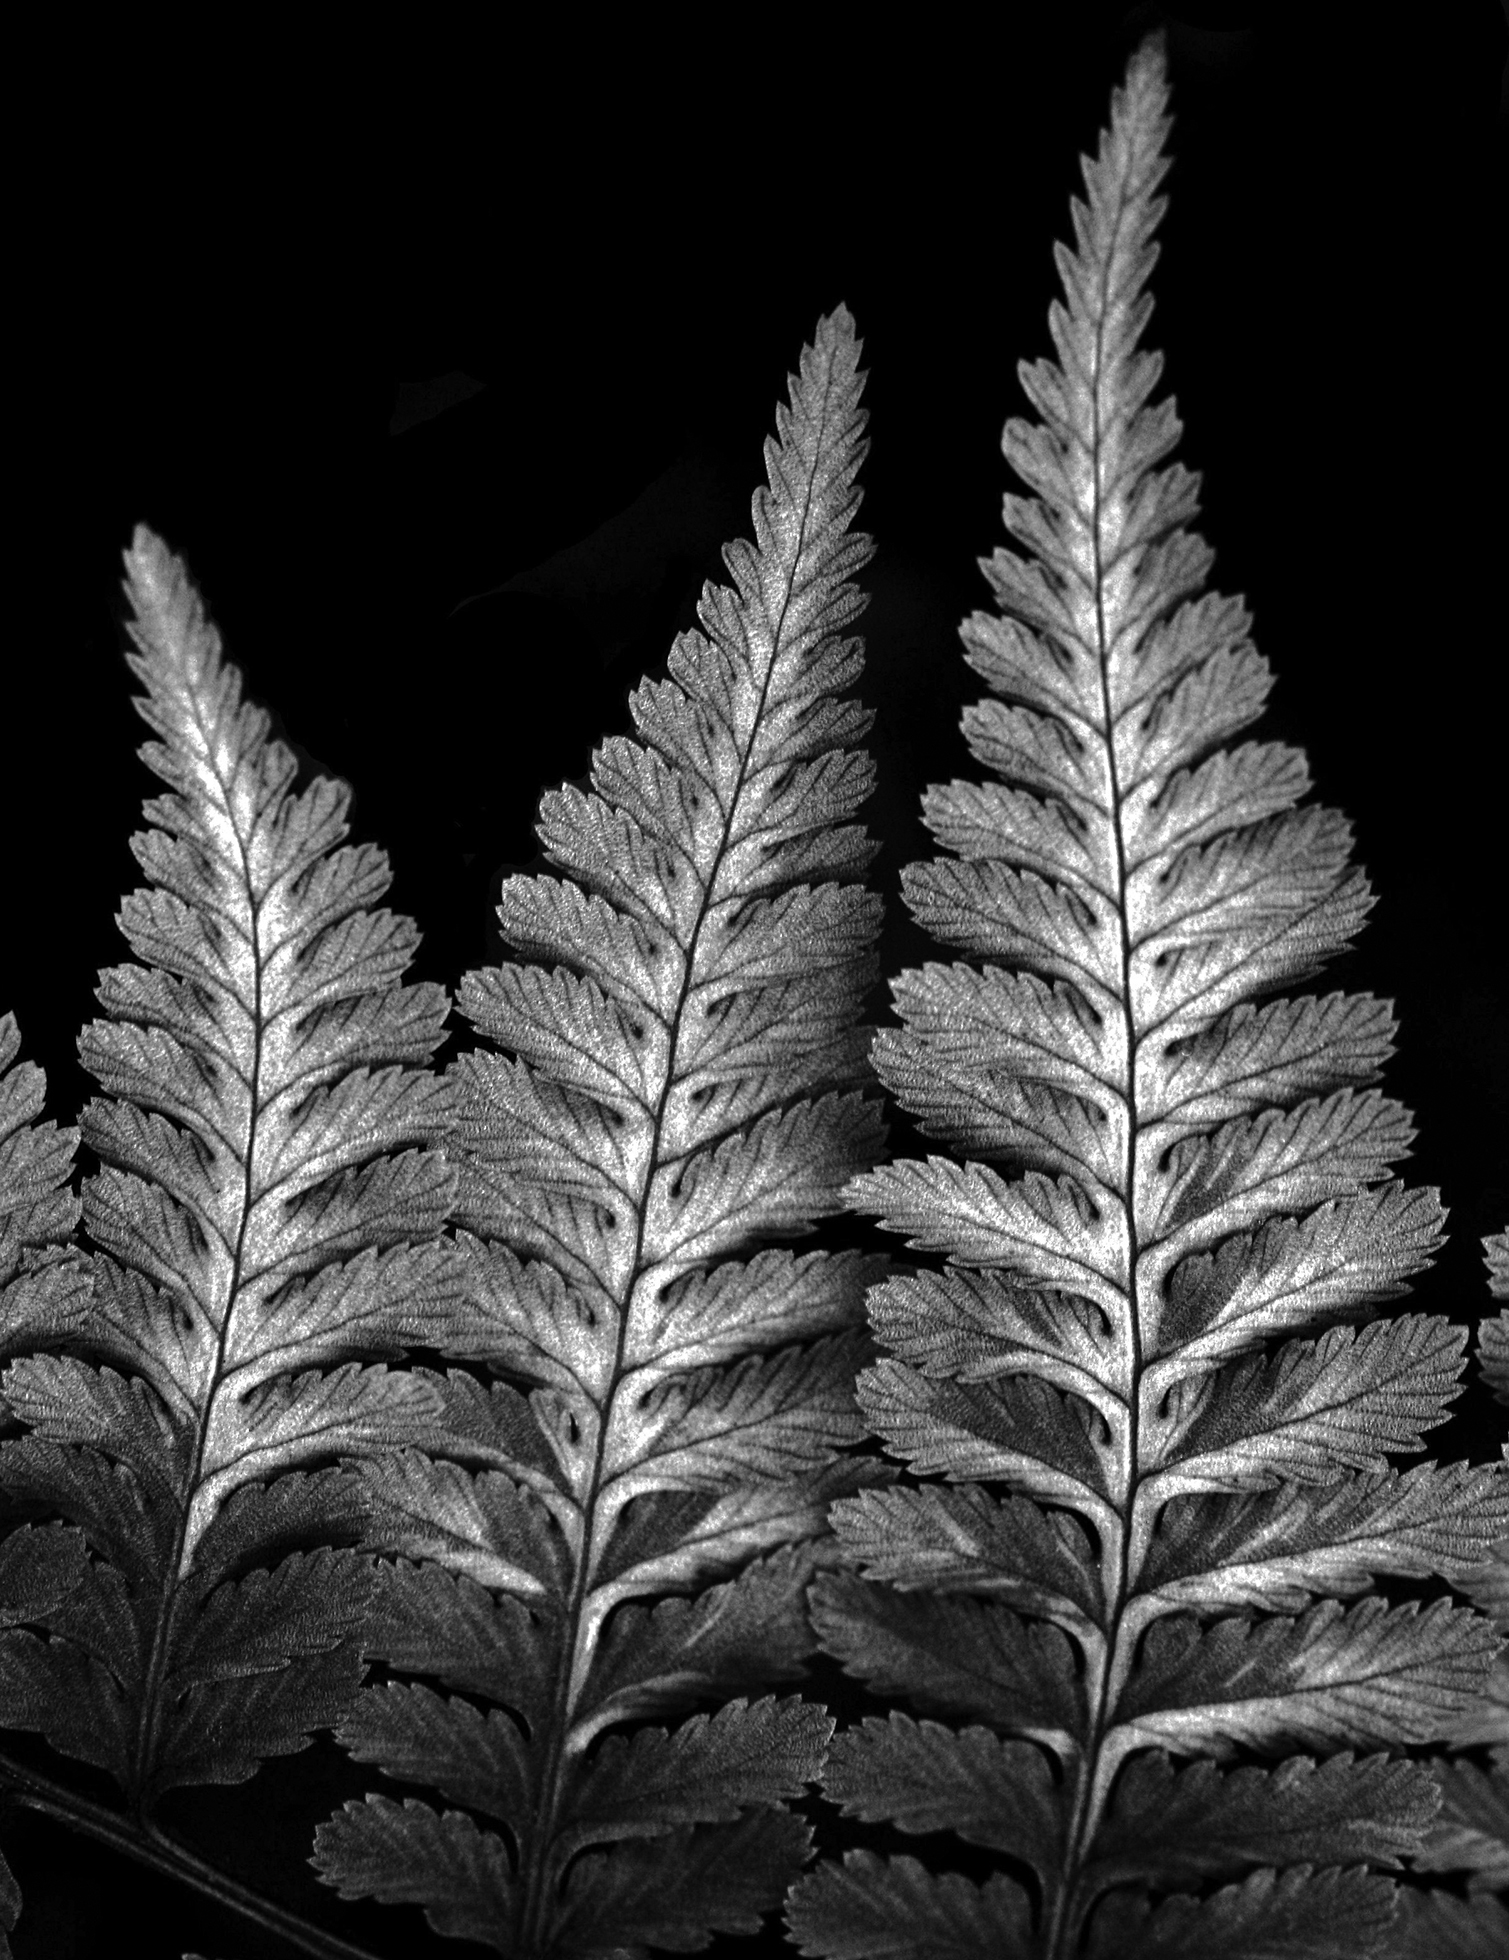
1107, 1662
570, 1673
151, 1712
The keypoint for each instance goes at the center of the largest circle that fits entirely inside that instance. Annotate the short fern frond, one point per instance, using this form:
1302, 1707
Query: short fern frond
1168, 1223
264, 1228
623, 1522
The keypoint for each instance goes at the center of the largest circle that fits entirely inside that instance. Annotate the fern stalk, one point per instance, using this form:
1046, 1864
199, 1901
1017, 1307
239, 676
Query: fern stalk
264, 1231
1188, 1178
681, 1081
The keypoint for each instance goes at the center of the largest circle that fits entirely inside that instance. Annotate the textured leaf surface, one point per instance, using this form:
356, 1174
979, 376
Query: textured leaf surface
624, 1523
720, 1878
1332, 1678
1275, 1549
871, 1908
1438, 1925
1493, 1332
409, 1854
1161, 1191
1471, 1829
1183, 1825
263, 1231
1333, 1915
44, 1285
924, 1777
955, 1655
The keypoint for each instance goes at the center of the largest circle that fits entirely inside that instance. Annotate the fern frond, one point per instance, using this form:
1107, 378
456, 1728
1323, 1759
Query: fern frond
623, 1521
264, 1228
1168, 1221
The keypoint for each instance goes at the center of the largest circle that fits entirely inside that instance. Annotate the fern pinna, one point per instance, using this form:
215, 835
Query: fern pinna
1470, 1833
622, 1521
265, 1227
1185, 1177
43, 1291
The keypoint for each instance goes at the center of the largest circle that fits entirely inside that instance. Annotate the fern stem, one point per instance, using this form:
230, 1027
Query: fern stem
150, 1845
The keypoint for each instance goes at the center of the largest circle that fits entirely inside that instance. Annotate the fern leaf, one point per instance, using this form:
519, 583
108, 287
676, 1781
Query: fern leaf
924, 1777
1330, 1677
957, 1655
1441, 1926
1202, 1822
623, 1522
1331, 1914
1487, 1582
1273, 1551
410, 1854
718, 1878
1168, 1217
1493, 1335
873, 1908
264, 1228
1470, 1833
44, 1293
44, 1285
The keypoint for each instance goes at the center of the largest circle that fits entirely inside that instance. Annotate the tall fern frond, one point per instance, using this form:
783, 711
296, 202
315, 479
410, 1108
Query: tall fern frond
1155, 1332
622, 1522
265, 1230
1470, 1834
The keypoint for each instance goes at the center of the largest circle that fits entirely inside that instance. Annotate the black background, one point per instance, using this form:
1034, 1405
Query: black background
446, 362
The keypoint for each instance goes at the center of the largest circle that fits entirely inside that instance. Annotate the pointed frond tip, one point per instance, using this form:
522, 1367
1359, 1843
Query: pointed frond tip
170, 620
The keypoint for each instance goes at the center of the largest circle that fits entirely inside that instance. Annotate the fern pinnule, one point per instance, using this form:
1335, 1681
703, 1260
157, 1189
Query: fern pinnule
1493, 1334
1167, 1229
623, 1522
1470, 1834
263, 1232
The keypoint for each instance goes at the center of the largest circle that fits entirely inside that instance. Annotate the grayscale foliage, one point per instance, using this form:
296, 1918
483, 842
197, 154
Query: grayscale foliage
481, 1474
1469, 1838
622, 1521
1150, 1374
262, 1233
43, 1293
